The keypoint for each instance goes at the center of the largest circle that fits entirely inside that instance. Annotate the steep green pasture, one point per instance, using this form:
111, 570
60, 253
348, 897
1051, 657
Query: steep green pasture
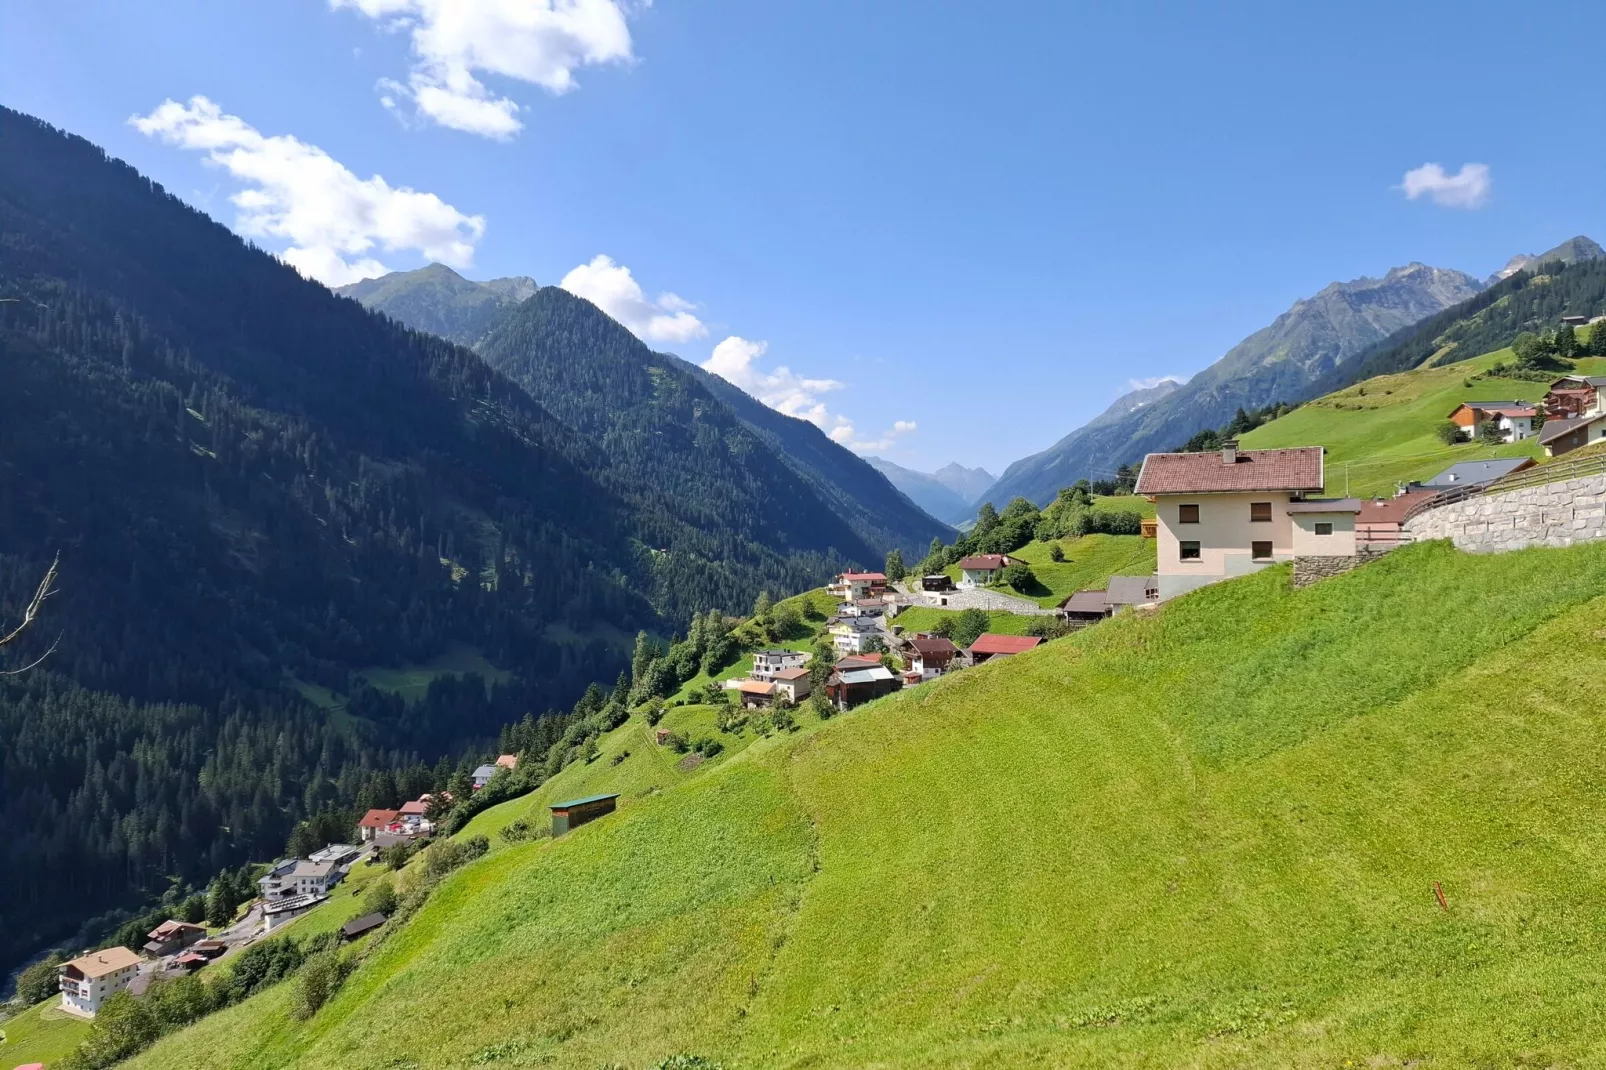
1204, 837
1382, 432
925, 619
1089, 563
41, 1034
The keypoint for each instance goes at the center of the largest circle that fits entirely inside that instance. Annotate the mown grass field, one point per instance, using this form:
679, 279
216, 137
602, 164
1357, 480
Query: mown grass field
925, 619
43, 1033
1381, 432
1206, 837
1089, 563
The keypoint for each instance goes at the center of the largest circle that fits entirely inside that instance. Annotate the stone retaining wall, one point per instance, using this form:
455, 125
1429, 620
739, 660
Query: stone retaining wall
979, 599
1552, 514
1307, 570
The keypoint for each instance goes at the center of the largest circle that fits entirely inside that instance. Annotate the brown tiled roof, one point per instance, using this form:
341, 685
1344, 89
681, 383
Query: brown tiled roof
752, 687
937, 645
100, 963
1003, 644
417, 806
848, 577
1391, 510
1297, 469
378, 819
983, 562
857, 661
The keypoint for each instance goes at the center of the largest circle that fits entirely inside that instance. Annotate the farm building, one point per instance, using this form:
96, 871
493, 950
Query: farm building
576, 812
989, 646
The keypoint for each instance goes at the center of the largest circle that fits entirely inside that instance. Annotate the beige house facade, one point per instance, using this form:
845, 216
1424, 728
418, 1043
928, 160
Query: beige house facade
89, 980
1227, 513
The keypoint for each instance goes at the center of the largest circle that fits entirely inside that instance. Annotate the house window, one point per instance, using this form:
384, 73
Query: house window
1188, 551
1187, 514
1323, 528
1260, 551
1260, 511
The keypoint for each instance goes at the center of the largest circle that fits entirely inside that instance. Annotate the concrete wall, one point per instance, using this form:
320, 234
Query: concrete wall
1554, 514
1340, 542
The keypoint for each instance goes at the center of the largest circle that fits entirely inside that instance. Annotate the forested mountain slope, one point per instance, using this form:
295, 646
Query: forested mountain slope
1281, 362
260, 490
438, 300
1209, 836
731, 515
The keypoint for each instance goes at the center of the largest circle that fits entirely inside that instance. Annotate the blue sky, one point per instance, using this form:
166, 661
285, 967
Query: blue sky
945, 231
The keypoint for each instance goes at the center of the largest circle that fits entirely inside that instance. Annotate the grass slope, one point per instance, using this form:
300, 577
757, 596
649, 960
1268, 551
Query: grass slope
1382, 432
1205, 837
43, 1033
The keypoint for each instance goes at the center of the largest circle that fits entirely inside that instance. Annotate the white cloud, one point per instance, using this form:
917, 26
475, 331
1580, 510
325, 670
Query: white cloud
333, 220
1467, 188
736, 360
612, 288
454, 42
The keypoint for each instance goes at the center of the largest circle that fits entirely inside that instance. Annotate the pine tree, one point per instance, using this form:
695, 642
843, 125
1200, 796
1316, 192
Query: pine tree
894, 568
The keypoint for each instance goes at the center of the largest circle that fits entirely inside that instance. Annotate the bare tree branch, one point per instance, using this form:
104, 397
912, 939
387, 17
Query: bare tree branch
47, 587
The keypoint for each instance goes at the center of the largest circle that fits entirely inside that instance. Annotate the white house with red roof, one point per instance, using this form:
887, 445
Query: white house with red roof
375, 822
1514, 419
858, 586
1226, 513
978, 570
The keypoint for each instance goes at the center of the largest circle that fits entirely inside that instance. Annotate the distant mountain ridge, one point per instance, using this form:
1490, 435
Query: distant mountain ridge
439, 300
1571, 251
1280, 362
968, 483
927, 491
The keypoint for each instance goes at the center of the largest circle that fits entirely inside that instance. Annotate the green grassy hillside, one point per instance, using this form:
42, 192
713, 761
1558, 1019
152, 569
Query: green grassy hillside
1382, 432
43, 1033
1205, 837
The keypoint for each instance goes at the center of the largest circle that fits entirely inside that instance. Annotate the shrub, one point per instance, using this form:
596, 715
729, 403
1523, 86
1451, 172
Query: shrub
619, 758
676, 742
708, 746
1449, 433
730, 719
782, 719
1055, 554
821, 706
380, 898
319, 979
1019, 576
38, 982
655, 713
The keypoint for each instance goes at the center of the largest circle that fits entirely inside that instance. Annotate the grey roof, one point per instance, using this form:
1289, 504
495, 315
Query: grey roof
1130, 590
1087, 602
486, 771
312, 869
1592, 380
583, 801
1326, 505
1476, 472
1554, 429
358, 926
865, 676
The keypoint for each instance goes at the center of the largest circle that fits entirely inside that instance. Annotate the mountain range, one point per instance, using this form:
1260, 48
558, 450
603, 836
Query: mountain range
439, 300
1280, 362
950, 493
1570, 251
264, 496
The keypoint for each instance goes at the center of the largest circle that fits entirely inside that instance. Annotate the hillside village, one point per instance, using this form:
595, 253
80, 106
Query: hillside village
1019, 580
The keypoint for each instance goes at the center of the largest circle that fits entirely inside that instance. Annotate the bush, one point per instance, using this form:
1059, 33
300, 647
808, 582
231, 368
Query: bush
1449, 433
380, 898
1019, 576
655, 713
782, 719
687, 1062
1055, 554
708, 746
821, 706
618, 759
319, 979
676, 742
1048, 627
38, 982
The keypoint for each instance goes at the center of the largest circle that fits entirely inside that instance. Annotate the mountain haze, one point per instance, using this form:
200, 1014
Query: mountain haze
1280, 362
968, 483
927, 491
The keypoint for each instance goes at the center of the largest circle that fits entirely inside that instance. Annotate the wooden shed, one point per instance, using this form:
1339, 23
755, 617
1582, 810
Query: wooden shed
576, 812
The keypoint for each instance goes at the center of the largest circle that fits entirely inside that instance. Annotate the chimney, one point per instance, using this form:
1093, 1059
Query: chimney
1229, 451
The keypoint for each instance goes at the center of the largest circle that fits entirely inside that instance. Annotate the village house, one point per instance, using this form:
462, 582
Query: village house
1514, 419
857, 661
1324, 527
171, 936
1380, 525
793, 685
939, 582
929, 656
338, 854
768, 664
856, 586
375, 822
296, 877
854, 635
89, 980
277, 913
867, 607
1564, 436
1085, 607
483, 775
848, 688
752, 694
989, 646
507, 761
1575, 395
1575, 321
979, 570
358, 926
413, 815
1225, 513
567, 816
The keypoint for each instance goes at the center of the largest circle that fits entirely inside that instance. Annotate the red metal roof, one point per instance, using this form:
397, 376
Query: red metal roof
984, 562
1391, 510
1003, 644
378, 819
1297, 469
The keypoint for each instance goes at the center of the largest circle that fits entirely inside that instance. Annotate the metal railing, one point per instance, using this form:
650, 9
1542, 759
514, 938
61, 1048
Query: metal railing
1537, 476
